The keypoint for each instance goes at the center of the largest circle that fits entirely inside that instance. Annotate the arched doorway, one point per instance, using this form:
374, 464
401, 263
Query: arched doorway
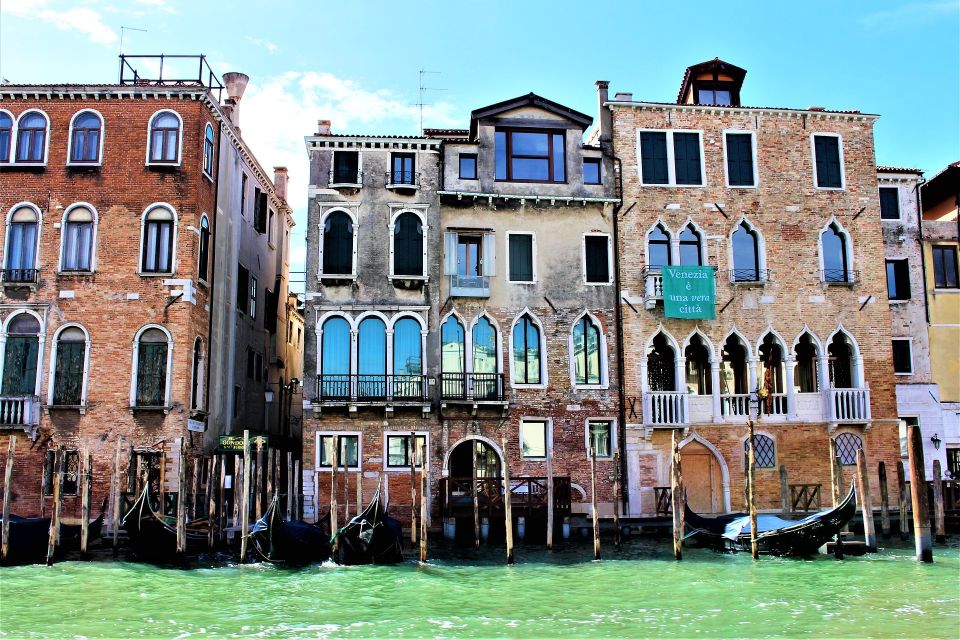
474, 455
702, 478
460, 462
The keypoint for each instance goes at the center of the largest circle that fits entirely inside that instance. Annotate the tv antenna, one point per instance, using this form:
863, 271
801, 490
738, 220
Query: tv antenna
420, 103
122, 29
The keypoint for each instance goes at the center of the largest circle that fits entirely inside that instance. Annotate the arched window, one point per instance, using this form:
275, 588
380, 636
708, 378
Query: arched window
485, 379
764, 452
165, 138
772, 376
699, 379
372, 358
847, 446
453, 358
196, 387
208, 150
6, 136
204, 252
32, 137
661, 365
733, 367
338, 244
806, 373
526, 351
68, 367
152, 351
22, 237
85, 137
335, 358
21, 356
658, 248
157, 247
840, 353
407, 245
407, 359
77, 251
586, 352
833, 245
691, 251
746, 254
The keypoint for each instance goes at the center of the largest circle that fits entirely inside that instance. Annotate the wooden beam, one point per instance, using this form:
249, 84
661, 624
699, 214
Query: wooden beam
918, 494
866, 503
939, 513
550, 499
884, 501
245, 498
676, 489
85, 488
752, 492
507, 501
57, 495
182, 497
7, 495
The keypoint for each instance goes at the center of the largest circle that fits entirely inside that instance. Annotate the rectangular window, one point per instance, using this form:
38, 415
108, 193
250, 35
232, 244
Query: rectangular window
468, 166
902, 356
469, 255
398, 451
253, 297
71, 473
898, 279
953, 462
243, 287
591, 171
829, 174
740, 171
596, 255
236, 401
658, 148
521, 257
905, 423
944, 267
348, 455
601, 437
529, 156
346, 167
889, 203
260, 205
402, 169
533, 438
243, 194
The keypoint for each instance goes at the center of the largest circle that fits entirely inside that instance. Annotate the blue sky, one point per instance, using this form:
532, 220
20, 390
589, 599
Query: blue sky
356, 62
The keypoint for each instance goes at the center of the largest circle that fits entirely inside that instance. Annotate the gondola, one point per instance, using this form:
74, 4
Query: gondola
153, 536
371, 537
776, 536
291, 542
29, 537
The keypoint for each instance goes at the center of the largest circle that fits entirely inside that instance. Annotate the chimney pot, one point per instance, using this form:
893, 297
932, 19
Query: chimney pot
323, 127
280, 177
235, 83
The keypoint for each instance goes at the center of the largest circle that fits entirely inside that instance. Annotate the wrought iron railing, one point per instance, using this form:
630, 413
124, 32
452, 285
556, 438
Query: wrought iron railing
170, 71
372, 388
746, 276
20, 276
344, 178
840, 276
402, 178
472, 387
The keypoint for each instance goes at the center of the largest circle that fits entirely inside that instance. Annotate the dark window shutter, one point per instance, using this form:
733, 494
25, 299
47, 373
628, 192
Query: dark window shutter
68, 381
243, 288
338, 244
889, 203
653, 157
271, 300
20, 366
828, 161
260, 215
151, 374
598, 263
408, 245
739, 160
686, 156
521, 258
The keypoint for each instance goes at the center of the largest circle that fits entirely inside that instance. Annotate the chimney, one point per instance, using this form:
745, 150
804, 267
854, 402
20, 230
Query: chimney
235, 84
623, 96
323, 127
605, 117
280, 182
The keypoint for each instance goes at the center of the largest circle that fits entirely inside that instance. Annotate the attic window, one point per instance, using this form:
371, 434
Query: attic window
714, 95
529, 155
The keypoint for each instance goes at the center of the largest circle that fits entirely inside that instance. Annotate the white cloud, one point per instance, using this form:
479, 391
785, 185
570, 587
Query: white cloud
156, 4
266, 44
82, 19
910, 13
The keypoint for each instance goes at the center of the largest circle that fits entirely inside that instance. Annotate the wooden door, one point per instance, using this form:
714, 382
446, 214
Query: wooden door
702, 478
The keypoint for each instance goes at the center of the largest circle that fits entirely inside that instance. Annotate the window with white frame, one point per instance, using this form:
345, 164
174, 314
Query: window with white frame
534, 438
6, 136
400, 450
337, 244
153, 351
340, 449
521, 254
671, 158
527, 352
22, 244
32, 138
746, 253
659, 254
21, 356
889, 203
164, 138
470, 260
588, 357
691, 246
79, 225
86, 138
346, 168
600, 438
828, 161
208, 145
836, 255
407, 246
597, 258
898, 278
740, 150
69, 367
159, 227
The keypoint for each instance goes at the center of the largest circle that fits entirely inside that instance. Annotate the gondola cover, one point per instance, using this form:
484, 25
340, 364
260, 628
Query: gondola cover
371, 537
292, 542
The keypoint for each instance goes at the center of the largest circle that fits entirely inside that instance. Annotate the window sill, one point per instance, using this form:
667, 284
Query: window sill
345, 185
742, 186
506, 181
903, 373
521, 387
163, 165
947, 291
84, 165
155, 274
597, 284
32, 286
527, 282
848, 284
207, 176
202, 282
534, 458
829, 188
590, 387
898, 301
80, 408
25, 165
339, 469
136, 408
675, 186
67, 273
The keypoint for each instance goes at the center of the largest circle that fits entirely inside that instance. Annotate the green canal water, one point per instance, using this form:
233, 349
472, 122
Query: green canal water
641, 592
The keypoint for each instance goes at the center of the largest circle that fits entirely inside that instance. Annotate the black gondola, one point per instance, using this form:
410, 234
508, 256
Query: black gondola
292, 542
153, 536
371, 537
776, 536
29, 537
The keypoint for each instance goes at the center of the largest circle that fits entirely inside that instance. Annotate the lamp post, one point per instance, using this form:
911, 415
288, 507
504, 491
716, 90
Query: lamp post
759, 396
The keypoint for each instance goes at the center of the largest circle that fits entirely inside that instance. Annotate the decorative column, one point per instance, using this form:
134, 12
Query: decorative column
791, 366
715, 388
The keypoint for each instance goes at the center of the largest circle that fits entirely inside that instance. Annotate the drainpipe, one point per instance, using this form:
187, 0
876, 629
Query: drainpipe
211, 281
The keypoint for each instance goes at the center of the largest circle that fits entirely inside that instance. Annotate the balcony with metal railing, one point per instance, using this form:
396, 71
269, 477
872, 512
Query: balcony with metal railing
18, 277
402, 180
345, 179
469, 286
472, 388
372, 389
755, 277
840, 277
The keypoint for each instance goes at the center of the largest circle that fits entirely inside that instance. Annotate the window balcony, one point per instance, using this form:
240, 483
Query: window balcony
652, 287
840, 277
345, 180
372, 389
19, 277
469, 286
19, 411
402, 180
849, 405
472, 388
665, 408
735, 405
743, 406
756, 277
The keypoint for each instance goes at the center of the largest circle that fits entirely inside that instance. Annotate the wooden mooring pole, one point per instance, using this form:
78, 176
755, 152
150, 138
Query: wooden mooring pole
334, 528
902, 501
261, 473
784, 491
423, 501
244, 497
163, 477
359, 492
593, 503
549, 499
866, 503
115, 491
411, 452
884, 501
507, 501
57, 499
836, 479
237, 481
476, 498
212, 500
676, 496
222, 501
7, 496
918, 495
616, 501
939, 514
182, 497
752, 493
291, 496
296, 491
194, 487
85, 488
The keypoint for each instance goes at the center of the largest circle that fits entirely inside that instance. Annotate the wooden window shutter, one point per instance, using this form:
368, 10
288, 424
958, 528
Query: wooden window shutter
450, 253
653, 157
686, 155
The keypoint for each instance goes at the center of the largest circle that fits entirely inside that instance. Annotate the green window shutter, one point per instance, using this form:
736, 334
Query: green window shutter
889, 203
20, 366
521, 258
653, 157
739, 160
151, 374
686, 156
827, 150
68, 378
597, 259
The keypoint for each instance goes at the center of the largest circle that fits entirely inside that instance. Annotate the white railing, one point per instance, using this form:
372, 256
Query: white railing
653, 288
735, 405
19, 410
849, 405
777, 405
664, 408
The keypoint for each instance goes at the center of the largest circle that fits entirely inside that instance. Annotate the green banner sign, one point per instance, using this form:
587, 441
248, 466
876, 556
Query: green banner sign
689, 292
234, 444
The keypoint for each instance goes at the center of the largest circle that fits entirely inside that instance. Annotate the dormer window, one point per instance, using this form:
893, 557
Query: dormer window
528, 155
713, 95
713, 82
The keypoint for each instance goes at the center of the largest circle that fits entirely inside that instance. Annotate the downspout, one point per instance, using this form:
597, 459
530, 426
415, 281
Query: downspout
211, 264
621, 373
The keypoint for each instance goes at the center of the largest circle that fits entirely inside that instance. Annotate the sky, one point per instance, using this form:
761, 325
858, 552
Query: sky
357, 63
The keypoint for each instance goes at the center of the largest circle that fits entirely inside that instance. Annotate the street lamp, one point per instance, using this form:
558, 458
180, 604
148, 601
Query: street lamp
935, 439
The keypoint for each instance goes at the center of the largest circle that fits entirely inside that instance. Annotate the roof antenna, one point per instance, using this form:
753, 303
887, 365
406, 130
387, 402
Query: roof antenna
122, 29
420, 103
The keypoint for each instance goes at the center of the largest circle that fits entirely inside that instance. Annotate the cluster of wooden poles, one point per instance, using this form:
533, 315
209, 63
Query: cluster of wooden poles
919, 504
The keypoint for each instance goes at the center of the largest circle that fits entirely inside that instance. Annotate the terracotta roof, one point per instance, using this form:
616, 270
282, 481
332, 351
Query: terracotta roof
446, 133
886, 169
